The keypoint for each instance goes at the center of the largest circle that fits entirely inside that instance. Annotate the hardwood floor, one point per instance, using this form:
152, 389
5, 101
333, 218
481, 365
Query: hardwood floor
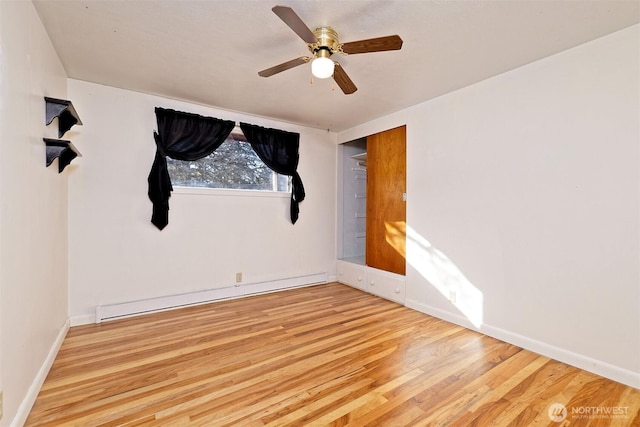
322, 355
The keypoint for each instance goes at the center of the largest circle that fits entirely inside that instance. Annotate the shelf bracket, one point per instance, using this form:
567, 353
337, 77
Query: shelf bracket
62, 150
64, 111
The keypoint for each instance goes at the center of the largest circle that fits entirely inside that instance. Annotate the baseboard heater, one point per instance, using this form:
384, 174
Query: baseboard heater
150, 305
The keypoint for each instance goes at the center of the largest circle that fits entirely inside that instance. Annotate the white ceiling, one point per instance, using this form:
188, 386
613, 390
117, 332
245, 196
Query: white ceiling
210, 52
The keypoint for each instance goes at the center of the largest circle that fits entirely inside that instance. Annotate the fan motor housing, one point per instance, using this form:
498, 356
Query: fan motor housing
327, 40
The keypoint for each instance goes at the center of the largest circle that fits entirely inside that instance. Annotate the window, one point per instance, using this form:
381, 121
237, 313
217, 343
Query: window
234, 165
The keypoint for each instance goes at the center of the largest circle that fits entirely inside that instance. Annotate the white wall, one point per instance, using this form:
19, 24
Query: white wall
117, 255
524, 201
33, 211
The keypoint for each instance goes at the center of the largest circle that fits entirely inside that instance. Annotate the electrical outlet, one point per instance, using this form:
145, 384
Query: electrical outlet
452, 295
238, 277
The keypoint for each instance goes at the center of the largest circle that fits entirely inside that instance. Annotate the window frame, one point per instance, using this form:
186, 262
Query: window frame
222, 192
236, 135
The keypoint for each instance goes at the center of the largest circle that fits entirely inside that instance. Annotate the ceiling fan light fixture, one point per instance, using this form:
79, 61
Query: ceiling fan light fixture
322, 43
322, 66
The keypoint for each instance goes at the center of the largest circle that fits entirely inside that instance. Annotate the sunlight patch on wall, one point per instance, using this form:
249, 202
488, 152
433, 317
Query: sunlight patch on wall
441, 272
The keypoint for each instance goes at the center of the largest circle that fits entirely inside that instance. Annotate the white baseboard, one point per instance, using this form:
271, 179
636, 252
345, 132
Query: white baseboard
149, 305
83, 319
607, 370
32, 393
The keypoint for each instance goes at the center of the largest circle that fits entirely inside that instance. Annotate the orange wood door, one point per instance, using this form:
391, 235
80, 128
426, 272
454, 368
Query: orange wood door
386, 208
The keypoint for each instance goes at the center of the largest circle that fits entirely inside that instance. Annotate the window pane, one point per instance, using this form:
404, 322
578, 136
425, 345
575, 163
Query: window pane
233, 165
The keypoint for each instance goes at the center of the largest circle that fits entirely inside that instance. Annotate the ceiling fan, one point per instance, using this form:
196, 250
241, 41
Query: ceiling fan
322, 43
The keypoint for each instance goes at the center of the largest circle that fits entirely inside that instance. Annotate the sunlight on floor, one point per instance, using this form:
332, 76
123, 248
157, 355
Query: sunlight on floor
445, 276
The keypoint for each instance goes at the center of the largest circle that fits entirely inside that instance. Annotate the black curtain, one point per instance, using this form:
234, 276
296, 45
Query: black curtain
279, 151
181, 136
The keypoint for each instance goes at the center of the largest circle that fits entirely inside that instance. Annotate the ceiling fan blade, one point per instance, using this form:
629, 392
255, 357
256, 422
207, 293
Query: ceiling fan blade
284, 66
343, 80
295, 23
378, 44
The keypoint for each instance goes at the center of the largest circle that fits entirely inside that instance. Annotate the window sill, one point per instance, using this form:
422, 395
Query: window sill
203, 191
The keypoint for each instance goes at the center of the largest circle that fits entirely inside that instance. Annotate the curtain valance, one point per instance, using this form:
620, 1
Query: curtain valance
181, 136
279, 150
187, 136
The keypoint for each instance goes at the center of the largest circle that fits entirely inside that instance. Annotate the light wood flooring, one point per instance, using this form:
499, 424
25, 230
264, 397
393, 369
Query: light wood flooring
322, 355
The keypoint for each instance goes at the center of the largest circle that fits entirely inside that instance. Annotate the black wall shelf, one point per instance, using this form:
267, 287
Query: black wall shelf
64, 111
62, 150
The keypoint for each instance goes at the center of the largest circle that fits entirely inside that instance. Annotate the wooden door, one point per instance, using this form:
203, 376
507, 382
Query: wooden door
386, 205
